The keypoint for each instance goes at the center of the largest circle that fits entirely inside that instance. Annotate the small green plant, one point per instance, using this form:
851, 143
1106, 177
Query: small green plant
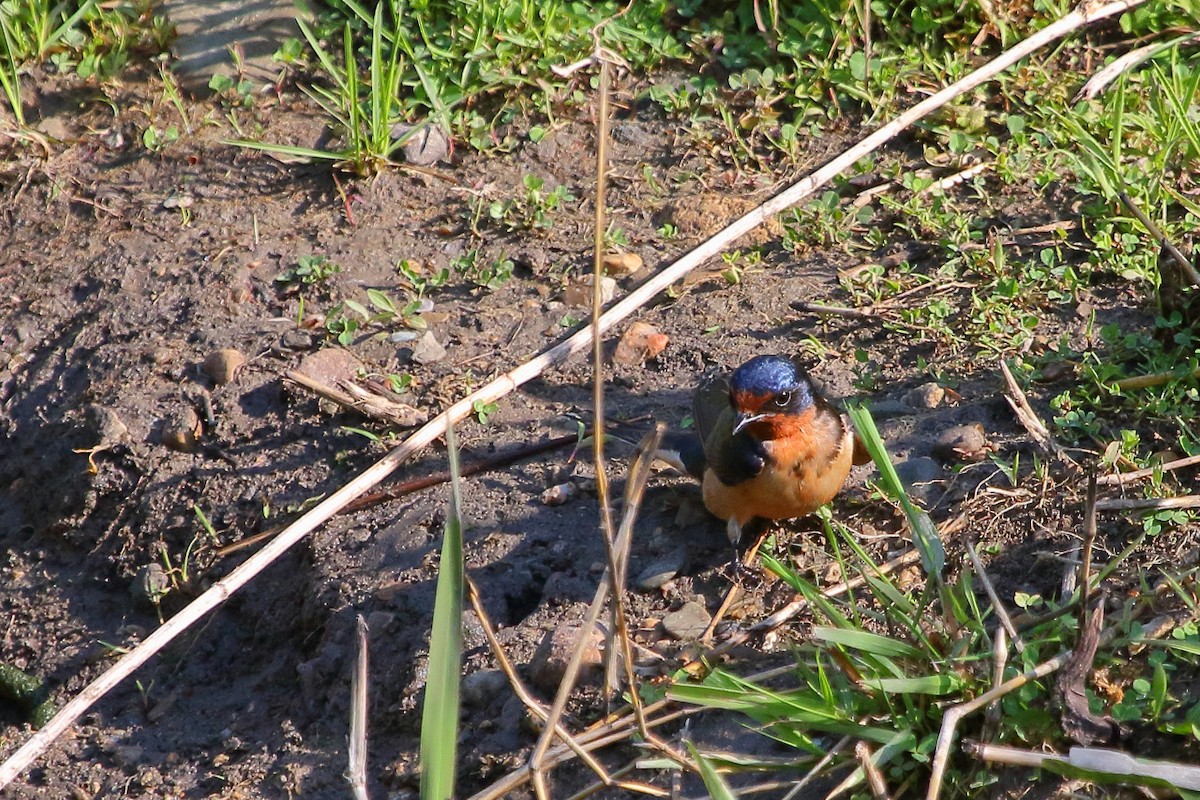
155, 140
531, 209
233, 93
400, 383
309, 270
382, 312
483, 411
488, 276
415, 276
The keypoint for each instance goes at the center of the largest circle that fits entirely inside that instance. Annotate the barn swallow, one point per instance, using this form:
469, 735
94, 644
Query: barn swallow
767, 444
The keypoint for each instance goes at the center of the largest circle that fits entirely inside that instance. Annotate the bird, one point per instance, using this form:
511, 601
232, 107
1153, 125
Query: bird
767, 444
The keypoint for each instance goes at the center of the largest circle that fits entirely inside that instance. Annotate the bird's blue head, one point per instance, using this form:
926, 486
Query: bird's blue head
767, 386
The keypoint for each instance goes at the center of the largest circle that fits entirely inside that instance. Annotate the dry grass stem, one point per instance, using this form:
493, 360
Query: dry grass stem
799, 603
1089, 539
359, 399
1029, 419
875, 781
1001, 612
993, 712
817, 768
1121, 478
598, 603
1157, 379
1148, 503
522, 692
1166, 244
356, 771
1092, 759
1120, 65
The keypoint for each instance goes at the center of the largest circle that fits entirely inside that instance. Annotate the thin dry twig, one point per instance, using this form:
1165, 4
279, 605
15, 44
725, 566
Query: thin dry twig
1078, 722
875, 781
356, 770
992, 715
1089, 539
1001, 611
359, 399
523, 693
812, 774
1148, 503
1118, 66
1157, 379
955, 714
538, 761
510, 381
1179, 258
1121, 478
1029, 419
1092, 759
798, 604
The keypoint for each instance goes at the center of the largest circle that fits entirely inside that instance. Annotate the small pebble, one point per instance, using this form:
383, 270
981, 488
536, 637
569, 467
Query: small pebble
688, 622
150, 584
1058, 370
662, 571
640, 343
106, 425
560, 494
928, 395
331, 366
620, 265
921, 477
181, 430
425, 146
428, 349
223, 366
480, 688
400, 337
297, 340
579, 293
962, 443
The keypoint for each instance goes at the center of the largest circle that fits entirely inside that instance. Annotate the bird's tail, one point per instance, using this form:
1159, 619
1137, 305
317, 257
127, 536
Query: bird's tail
683, 451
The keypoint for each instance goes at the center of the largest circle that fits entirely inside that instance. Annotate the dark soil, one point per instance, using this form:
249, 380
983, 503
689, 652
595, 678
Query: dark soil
123, 269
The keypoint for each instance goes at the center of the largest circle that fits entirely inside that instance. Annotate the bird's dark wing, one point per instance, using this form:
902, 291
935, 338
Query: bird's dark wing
710, 408
733, 458
684, 451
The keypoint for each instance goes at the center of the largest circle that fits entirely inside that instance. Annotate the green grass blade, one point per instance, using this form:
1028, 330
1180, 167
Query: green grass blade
10, 76
928, 684
867, 642
925, 535
718, 789
439, 718
287, 150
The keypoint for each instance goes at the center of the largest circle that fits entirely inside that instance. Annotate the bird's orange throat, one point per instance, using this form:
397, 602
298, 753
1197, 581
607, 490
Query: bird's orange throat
784, 426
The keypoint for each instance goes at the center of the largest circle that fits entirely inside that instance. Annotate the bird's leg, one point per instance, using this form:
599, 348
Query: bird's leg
754, 532
733, 529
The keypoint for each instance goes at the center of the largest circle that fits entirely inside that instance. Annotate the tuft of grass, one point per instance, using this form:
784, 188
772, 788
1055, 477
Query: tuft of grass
364, 108
439, 716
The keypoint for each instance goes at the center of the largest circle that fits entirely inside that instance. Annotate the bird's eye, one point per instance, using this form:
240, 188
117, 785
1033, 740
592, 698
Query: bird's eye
783, 399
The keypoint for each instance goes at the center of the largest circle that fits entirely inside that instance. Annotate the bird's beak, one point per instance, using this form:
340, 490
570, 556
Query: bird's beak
742, 420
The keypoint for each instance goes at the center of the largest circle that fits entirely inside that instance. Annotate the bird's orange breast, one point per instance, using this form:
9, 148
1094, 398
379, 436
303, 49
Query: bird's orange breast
808, 460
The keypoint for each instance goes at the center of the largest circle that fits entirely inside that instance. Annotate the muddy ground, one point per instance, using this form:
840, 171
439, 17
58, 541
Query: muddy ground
123, 269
